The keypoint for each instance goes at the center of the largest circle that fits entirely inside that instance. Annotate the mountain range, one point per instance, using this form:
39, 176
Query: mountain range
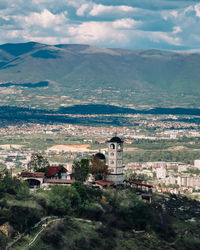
52, 76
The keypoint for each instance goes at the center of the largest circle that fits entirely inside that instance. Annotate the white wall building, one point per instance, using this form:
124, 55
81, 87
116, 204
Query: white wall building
182, 167
197, 164
161, 172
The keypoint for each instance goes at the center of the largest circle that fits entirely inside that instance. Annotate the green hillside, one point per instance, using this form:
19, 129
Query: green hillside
79, 217
88, 74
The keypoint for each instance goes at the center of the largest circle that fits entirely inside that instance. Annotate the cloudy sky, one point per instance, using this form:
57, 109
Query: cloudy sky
132, 24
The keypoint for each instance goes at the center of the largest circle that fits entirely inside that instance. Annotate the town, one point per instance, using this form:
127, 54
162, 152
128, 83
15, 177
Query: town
62, 144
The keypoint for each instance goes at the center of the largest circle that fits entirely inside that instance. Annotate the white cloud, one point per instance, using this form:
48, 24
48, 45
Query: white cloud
174, 13
161, 36
44, 19
47, 40
99, 9
126, 23
102, 23
176, 29
90, 32
13, 33
3, 16
74, 3
42, 1
188, 9
81, 11
197, 10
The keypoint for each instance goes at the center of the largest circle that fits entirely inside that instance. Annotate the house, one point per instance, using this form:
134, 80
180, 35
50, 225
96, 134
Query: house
54, 175
56, 172
34, 180
49, 182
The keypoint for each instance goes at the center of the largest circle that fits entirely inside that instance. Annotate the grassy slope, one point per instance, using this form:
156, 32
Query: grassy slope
91, 235
114, 218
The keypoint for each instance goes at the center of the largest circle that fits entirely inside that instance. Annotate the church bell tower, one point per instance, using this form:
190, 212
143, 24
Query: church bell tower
115, 160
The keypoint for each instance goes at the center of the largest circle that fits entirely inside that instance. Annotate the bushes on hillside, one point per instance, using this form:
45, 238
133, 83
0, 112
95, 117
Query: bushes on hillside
2, 241
23, 218
63, 200
13, 186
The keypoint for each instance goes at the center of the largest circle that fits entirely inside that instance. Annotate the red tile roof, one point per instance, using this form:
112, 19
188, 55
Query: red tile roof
51, 171
58, 181
32, 175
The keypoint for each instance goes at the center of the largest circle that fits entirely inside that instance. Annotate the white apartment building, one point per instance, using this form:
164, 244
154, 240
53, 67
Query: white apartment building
161, 173
197, 164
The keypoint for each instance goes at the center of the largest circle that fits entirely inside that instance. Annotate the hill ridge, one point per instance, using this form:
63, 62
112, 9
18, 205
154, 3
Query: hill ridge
99, 75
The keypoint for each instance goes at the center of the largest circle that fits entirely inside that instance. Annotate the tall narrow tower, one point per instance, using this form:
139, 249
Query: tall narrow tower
115, 160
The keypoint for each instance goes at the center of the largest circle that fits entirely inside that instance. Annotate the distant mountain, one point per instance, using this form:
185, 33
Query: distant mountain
46, 76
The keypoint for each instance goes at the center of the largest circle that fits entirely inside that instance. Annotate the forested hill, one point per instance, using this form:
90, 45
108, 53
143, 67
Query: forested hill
33, 74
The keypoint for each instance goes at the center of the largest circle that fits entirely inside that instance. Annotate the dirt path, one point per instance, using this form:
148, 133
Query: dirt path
45, 225
10, 244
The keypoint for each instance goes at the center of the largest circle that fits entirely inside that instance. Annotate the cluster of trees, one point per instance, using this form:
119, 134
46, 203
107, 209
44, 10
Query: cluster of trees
13, 186
119, 211
132, 176
67, 200
38, 163
84, 167
22, 209
81, 168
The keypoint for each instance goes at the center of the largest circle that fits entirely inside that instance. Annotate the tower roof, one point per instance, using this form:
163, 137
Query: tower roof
116, 139
100, 156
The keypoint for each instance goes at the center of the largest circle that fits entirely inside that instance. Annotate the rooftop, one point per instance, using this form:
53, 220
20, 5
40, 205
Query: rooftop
51, 171
100, 156
33, 175
116, 139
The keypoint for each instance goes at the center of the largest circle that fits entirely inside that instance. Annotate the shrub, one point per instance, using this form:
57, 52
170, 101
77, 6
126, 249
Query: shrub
63, 200
22, 218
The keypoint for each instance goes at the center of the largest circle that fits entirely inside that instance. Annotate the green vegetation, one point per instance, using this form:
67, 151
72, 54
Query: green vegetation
132, 176
187, 156
81, 169
98, 168
144, 150
38, 163
94, 219
181, 150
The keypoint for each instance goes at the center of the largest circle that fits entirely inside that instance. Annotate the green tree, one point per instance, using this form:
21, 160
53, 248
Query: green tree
9, 185
22, 218
63, 200
81, 169
3, 241
38, 163
82, 192
98, 168
23, 192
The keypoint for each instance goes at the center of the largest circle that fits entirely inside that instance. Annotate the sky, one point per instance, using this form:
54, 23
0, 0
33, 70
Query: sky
130, 24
